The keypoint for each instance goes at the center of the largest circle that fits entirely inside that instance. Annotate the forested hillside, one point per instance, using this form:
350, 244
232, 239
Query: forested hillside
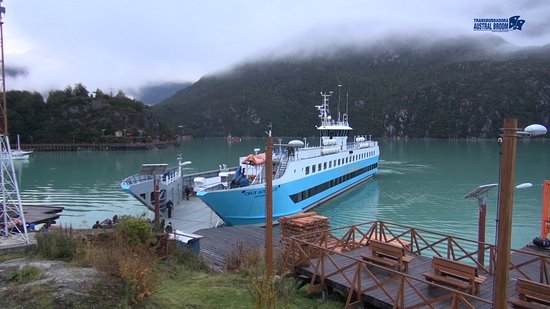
455, 88
74, 115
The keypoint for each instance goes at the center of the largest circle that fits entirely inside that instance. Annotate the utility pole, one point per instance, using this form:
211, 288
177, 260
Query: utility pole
12, 217
506, 200
269, 204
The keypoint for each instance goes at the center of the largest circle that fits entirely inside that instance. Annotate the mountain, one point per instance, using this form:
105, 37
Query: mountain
454, 88
154, 93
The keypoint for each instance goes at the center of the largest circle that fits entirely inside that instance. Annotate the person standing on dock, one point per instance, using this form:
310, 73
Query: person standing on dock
187, 192
169, 228
169, 206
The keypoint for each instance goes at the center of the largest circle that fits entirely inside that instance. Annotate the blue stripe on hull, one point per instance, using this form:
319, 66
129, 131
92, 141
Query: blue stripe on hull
246, 205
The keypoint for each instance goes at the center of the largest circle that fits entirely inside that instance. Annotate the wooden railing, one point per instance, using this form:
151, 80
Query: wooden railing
401, 289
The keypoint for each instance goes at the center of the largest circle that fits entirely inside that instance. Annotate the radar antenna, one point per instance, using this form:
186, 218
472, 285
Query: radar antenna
12, 217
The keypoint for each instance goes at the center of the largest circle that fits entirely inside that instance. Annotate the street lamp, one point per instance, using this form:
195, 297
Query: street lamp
481, 193
510, 132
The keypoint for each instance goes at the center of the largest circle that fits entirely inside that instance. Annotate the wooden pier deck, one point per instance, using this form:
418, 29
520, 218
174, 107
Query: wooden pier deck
219, 245
337, 265
419, 265
191, 215
37, 214
390, 281
98, 146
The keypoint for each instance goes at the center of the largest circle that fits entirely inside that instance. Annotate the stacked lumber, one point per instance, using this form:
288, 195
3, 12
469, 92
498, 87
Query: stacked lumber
309, 223
307, 226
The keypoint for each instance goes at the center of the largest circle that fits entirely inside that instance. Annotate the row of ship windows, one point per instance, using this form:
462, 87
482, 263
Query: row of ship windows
300, 196
323, 166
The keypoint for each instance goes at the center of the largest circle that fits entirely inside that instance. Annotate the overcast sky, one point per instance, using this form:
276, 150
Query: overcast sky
118, 44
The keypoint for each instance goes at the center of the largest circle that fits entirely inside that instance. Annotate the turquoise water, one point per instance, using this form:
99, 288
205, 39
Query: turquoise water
421, 183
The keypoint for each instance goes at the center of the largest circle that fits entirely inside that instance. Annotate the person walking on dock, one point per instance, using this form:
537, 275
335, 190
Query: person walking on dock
169, 206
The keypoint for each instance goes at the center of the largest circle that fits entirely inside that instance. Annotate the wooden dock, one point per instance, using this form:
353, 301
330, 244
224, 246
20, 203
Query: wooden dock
220, 245
192, 215
337, 265
98, 146
38, 214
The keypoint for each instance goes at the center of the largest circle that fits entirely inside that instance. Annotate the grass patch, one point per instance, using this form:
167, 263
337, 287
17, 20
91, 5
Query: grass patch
34, 297
139, 275
26, 275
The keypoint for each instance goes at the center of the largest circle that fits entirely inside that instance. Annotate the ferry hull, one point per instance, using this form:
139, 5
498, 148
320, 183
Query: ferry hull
242, 206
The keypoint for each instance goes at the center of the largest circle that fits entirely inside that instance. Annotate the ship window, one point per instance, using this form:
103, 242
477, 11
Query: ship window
325, 165
319, 167
307, 193
329, 164
313, 168
338, 162
307, 170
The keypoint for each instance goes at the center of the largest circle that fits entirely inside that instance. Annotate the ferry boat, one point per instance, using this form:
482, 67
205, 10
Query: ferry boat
171, 183
304, 176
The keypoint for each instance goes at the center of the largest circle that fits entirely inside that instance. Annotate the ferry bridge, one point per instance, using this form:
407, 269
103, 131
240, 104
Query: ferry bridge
344, 259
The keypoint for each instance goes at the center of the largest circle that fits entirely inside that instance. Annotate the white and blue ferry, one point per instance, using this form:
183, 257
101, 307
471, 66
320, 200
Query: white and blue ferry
303, 176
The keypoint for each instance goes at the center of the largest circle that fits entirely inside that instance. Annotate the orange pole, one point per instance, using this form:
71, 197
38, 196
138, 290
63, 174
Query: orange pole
545, 225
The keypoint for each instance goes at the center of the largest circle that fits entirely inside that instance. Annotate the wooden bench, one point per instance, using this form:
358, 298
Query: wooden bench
455, 274
374, 236
531, 294
388, 254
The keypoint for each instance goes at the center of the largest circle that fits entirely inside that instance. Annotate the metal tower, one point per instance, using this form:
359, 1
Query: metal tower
12, 218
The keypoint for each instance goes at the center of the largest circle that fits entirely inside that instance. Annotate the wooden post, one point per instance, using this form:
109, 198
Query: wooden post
545, 224
481, 231
504, 225
269, 205
157, 204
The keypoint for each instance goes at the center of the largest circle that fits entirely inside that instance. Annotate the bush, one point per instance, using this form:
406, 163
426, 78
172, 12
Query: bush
127, 254
56, 244
134, 231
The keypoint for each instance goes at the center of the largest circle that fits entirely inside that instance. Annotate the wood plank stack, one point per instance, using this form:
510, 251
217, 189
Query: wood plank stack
310, 223
308, 226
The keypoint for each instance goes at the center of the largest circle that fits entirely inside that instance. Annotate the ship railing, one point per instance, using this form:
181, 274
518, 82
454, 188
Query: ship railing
171, 177
166, 178
281, 168
135, 179
359, 145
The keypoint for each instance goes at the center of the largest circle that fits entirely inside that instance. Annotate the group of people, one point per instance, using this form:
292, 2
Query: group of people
166, 228
107, 223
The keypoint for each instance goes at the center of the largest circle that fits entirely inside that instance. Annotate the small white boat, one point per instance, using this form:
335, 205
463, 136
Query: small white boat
19, 154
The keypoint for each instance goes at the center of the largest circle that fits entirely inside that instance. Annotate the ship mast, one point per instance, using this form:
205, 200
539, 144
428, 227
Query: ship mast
12, 217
